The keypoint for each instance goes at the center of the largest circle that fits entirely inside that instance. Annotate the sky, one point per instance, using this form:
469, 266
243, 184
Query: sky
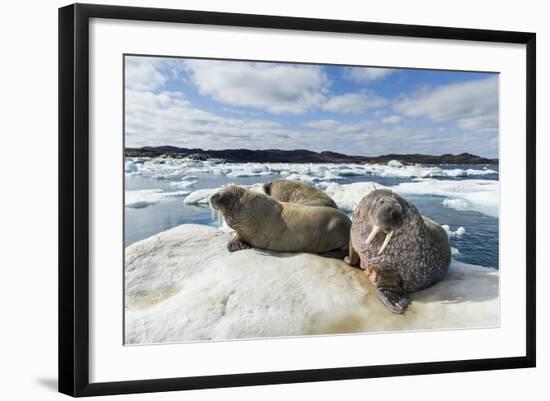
221, 104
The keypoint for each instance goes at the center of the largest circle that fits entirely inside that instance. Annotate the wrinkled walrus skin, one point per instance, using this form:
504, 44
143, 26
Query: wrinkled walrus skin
263, 222
417, 253
297, 192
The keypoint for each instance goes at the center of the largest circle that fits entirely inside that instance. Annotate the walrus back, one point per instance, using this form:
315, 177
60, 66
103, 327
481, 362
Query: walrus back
297, 192
315, 229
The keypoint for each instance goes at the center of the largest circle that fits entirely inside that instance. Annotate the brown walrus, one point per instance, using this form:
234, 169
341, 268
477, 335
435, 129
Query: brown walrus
263, 222
298, 192
400, 250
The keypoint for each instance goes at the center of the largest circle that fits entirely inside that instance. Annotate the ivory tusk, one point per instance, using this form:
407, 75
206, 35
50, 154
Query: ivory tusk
386, 242
220, 218
372, 235
212, 210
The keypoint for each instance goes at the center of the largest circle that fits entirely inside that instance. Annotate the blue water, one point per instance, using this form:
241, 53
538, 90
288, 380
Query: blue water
479, 245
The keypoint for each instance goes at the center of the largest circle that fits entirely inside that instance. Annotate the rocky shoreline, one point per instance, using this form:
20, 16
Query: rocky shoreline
300, 156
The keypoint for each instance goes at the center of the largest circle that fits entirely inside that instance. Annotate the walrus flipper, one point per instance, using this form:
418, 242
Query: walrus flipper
390, 291
237, 245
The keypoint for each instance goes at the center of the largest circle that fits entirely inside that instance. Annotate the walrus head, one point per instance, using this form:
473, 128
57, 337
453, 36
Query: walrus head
385, 211
226, 201
238, 205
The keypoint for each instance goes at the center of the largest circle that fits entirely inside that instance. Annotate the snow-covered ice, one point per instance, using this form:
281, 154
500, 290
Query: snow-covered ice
130, 167
168, 168
458, 204
395, 163
348, 196
458, 233
478, 195
200, 196
183, 285
141, 198
184, 183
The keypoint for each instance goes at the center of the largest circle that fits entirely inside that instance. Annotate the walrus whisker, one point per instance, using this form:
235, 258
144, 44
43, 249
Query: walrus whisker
386, 242
372, 235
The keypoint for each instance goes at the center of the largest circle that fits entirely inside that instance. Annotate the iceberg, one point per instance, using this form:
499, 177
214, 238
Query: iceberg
183, 285
141, 198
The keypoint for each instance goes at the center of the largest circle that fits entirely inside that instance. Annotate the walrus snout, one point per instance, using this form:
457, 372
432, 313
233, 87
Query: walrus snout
215, 200
389, 216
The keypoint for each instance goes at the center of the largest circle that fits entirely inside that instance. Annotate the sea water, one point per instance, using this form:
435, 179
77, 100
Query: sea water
162, 186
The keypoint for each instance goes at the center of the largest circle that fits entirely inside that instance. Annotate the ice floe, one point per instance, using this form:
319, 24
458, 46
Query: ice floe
477, 195
183, 285
168, 168
130, 167
348, 196
460, 231
184, 183
146, 197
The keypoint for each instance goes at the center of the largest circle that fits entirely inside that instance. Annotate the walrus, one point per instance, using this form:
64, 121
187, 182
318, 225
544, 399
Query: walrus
400, 250
263, 222
297, 192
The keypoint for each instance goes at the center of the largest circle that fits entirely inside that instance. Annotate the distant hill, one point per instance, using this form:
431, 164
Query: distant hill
300, 156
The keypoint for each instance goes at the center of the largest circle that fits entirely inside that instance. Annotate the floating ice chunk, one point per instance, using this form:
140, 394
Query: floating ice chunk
249, 170
301, 177
130, 167
183, 285
395, 163
454, 234
183, 183
458, 204
454, 251
348, 196
477, 195
200, 196
141, 198
175, 169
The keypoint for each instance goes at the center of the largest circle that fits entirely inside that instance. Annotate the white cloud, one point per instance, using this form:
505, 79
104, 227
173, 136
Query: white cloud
156, 116
471, 105
141, 74
167, 118
322, 124
392, 119
276, 88
354, 103
366, 74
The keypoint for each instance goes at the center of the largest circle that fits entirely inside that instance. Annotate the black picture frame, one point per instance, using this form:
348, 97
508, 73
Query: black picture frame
74, 201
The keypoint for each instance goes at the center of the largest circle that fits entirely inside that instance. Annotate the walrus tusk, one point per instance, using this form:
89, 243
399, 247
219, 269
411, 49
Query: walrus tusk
220, 218
386, 242
372, 235
212, 210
